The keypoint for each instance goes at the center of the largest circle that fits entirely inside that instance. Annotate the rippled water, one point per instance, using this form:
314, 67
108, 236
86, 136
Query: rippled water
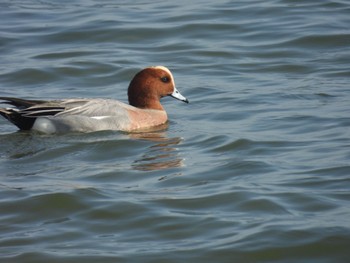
254, 169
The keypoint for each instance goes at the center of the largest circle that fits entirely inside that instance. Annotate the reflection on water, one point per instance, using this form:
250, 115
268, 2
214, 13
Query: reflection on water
162, 155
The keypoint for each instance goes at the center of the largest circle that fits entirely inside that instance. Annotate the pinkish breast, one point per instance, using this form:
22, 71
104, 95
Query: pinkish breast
141, 119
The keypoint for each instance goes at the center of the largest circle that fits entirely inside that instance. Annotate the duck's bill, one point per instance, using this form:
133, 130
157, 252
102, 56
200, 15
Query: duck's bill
177, 95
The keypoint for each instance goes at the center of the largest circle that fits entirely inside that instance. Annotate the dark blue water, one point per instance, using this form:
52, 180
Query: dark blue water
254, 169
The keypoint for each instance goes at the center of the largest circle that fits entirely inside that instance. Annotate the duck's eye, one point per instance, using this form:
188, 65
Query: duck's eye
165, 79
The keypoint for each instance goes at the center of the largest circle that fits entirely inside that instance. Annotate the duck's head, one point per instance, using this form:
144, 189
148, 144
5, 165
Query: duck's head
150, 85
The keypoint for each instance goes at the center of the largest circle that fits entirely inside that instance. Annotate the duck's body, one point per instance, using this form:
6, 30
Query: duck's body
87, 115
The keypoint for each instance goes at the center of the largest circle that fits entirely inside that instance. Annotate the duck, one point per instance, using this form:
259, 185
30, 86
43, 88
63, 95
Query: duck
144, 110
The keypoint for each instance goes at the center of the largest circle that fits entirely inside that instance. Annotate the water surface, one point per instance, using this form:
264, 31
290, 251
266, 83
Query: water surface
254, 169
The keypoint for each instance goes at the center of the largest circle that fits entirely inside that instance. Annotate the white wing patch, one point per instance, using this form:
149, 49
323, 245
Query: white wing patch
99, 117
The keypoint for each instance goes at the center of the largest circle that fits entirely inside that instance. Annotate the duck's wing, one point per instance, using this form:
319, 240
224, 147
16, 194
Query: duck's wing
94, 108
26, 111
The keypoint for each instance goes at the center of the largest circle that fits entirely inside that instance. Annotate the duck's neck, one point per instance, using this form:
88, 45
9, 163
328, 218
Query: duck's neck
147, 103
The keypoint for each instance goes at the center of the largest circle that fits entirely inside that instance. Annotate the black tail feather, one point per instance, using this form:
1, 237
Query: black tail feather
22, 122
25, 112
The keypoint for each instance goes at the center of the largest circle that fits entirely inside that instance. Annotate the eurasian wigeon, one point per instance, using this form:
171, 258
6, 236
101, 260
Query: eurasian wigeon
87, 115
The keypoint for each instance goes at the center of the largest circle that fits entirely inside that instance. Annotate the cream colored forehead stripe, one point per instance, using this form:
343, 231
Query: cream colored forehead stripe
163, 68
